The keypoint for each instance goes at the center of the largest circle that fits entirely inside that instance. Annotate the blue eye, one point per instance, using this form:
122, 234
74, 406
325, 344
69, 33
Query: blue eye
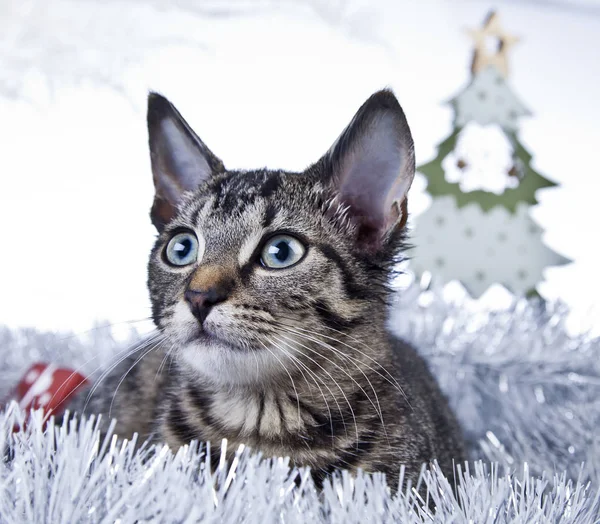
182, 249
282, 251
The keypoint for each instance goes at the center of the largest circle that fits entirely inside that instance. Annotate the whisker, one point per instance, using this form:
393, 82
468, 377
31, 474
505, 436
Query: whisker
393, 382
67, 380
366, 355
164, 361
289, 355
80, 385
288, 374
349, 376
338, 352
129, 353
377, 407
257, 364
316, 380
334, 397
138, 360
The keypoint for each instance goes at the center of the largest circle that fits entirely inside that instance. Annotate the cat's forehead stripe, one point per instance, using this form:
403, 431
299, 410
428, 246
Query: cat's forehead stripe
237, 193
227, 201
249, 245
202, 211
234, 191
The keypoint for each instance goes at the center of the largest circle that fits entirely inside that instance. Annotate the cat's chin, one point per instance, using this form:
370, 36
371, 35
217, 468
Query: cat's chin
220, 363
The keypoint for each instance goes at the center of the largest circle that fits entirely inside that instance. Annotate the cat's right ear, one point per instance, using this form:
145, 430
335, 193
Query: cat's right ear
180, 160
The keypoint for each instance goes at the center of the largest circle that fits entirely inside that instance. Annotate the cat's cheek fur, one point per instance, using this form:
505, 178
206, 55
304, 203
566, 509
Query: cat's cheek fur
182, 326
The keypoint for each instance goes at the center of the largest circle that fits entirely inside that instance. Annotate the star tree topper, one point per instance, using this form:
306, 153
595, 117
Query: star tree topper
491, 45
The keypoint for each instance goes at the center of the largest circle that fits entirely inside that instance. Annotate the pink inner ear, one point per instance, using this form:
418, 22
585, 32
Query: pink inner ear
376, 172
185, 165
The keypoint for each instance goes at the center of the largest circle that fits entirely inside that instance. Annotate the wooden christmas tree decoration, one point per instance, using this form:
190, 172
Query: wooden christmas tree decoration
478, 229
491, 46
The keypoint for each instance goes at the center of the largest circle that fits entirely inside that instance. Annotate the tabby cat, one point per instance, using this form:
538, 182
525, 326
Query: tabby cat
270, 294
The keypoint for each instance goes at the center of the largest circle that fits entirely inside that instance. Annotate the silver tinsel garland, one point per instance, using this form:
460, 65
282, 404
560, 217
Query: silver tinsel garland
527, 395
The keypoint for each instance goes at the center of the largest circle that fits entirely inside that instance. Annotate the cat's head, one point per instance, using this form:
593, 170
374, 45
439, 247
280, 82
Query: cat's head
252, 268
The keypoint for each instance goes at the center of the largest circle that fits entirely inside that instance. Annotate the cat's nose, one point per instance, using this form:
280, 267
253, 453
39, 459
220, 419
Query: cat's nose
201, 302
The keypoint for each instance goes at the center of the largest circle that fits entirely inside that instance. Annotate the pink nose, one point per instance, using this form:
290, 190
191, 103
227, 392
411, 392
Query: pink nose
201, 302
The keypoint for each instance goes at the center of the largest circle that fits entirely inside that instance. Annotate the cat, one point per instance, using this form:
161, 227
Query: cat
270, 294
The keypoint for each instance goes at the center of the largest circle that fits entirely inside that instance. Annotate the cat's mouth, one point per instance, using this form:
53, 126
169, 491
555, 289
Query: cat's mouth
201, 337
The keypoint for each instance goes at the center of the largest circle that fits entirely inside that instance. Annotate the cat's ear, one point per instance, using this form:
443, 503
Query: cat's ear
180, 160
371, 167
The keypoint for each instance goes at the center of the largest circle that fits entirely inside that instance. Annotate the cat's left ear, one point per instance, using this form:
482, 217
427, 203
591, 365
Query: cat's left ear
180, 160
371, 167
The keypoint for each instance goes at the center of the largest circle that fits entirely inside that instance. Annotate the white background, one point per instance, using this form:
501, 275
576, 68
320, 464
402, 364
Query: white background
263, 83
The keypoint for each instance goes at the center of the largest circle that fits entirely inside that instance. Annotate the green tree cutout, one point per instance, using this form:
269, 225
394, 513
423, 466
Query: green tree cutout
481, 237
531, 180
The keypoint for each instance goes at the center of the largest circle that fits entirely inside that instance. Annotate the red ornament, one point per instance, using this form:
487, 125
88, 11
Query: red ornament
47, 387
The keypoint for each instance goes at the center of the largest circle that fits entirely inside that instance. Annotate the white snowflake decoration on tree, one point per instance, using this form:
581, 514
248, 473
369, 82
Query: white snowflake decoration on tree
482, 159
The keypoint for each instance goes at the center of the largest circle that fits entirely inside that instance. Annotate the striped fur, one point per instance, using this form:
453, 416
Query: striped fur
295, 362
